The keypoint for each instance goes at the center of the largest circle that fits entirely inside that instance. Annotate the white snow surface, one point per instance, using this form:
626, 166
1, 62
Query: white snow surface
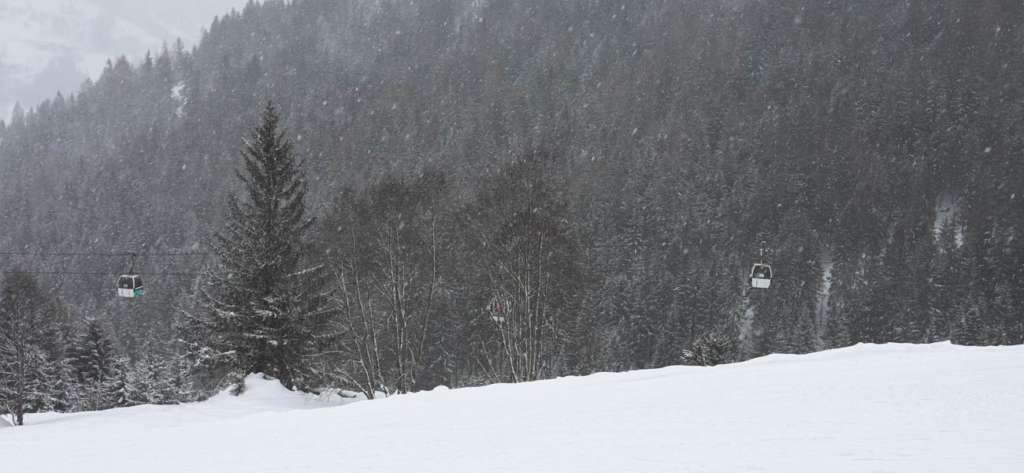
868, 408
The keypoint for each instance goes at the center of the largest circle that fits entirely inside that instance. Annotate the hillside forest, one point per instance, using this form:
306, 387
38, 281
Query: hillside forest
386, 196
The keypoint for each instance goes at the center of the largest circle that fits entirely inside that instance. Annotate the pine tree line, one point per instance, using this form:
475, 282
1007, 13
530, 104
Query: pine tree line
48, 362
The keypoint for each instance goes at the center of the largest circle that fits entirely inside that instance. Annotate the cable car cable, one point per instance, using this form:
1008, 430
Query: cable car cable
107, 255
97, 273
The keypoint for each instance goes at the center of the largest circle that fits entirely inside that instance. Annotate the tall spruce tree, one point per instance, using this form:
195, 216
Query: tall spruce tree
266, 312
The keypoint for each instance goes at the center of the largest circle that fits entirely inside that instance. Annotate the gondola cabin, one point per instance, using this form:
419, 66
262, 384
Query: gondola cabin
761, 276
130, 286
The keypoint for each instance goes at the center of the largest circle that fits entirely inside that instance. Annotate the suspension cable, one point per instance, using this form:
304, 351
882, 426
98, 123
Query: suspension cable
116, 254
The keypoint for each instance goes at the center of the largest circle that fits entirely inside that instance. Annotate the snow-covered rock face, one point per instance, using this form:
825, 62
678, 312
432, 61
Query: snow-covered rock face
51, 45
935, 408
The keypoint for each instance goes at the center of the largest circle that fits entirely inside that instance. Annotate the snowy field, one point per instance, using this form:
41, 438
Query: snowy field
892, 408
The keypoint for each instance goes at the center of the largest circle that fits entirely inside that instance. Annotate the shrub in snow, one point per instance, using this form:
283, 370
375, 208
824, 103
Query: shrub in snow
709, 349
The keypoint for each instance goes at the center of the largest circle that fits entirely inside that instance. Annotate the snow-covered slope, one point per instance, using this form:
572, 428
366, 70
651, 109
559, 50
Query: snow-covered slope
893, 408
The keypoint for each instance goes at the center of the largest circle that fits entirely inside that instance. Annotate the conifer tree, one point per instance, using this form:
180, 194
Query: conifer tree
121, 386
267, 313
149, 380
92, 361
709, 349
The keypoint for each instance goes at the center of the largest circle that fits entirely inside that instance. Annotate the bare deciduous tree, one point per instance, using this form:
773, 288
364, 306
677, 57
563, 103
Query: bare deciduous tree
527, 257
388, 281
30, 348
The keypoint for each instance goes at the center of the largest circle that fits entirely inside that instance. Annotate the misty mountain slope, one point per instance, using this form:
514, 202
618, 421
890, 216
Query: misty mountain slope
936, 408
685, 132
51, 45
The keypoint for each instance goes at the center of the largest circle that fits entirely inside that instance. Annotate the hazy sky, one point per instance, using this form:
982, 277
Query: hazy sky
51, 45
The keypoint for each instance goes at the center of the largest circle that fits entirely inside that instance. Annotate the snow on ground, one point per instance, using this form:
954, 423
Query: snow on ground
891, 408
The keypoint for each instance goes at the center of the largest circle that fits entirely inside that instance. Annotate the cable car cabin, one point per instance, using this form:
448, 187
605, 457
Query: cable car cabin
130, 286
761, 276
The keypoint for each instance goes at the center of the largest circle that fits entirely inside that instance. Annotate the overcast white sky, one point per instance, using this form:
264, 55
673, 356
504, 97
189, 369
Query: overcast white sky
51, 45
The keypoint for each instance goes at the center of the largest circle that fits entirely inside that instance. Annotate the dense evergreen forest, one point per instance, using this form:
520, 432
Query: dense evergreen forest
508, 190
